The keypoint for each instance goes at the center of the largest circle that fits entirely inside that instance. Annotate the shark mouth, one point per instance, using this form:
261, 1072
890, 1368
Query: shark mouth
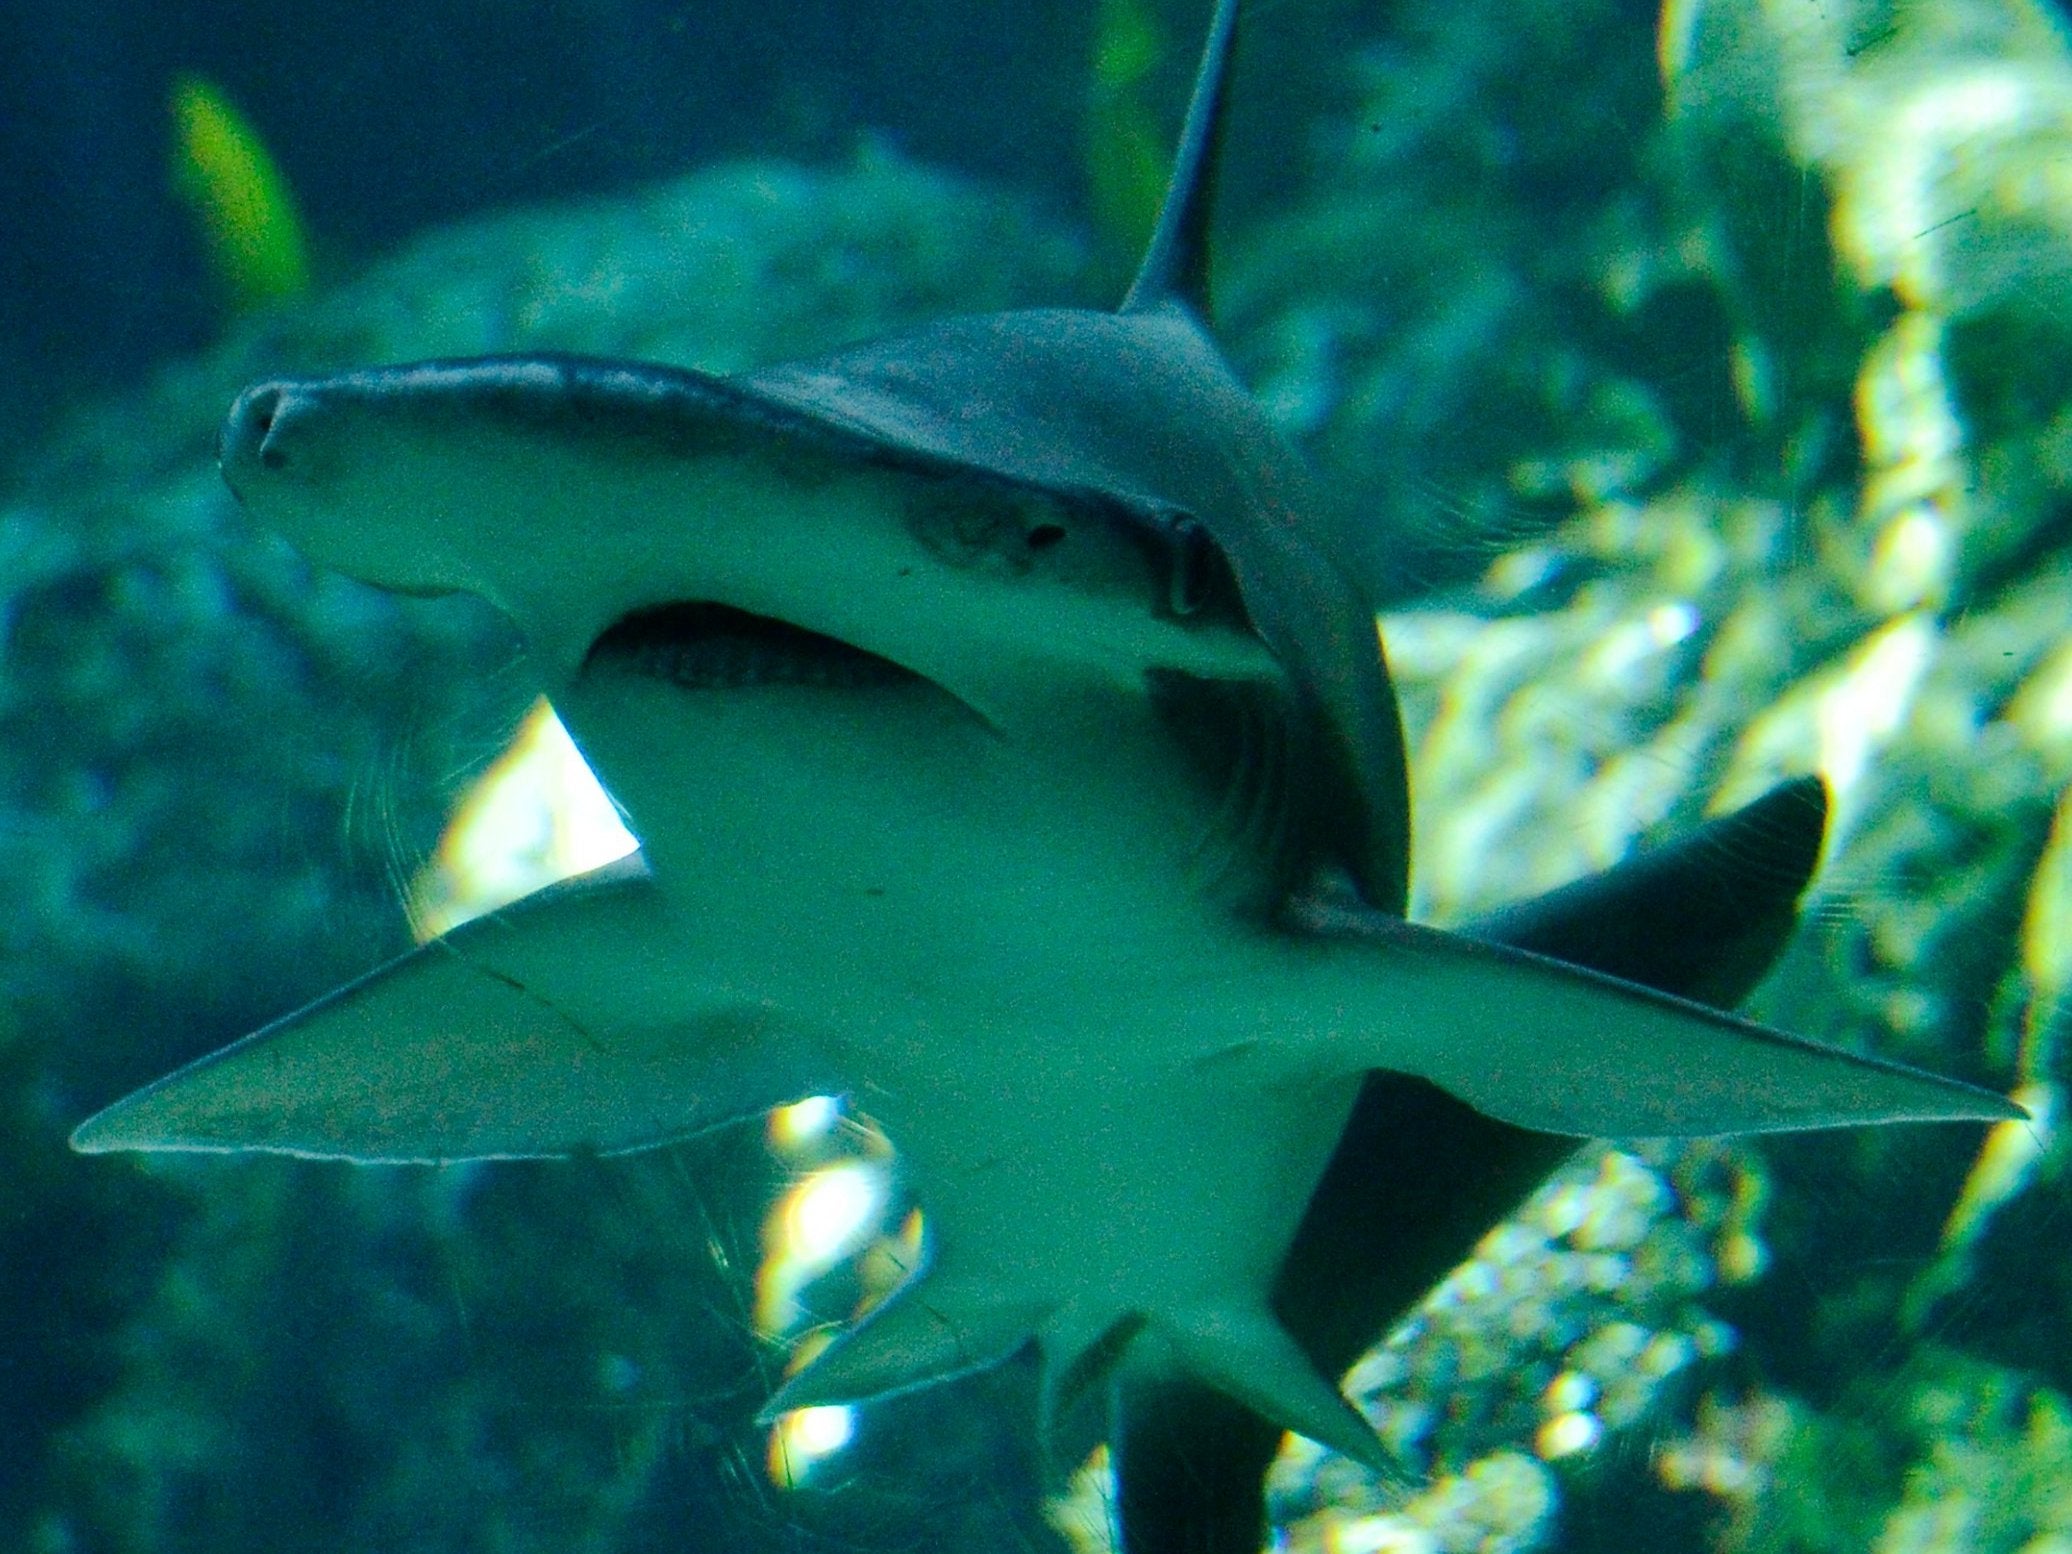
704, 647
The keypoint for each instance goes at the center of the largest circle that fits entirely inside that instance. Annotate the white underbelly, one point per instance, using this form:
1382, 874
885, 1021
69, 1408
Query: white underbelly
1006, 942
882, 854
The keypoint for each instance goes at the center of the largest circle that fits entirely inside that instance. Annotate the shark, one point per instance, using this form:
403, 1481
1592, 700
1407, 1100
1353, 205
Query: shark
1012, 750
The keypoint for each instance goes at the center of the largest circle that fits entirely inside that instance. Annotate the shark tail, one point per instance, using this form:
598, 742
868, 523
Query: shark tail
1701, 917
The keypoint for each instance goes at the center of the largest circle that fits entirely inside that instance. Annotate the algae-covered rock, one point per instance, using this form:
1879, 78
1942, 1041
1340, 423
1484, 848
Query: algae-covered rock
1758, 441
1944, 1455
1463, 320
1568, 1325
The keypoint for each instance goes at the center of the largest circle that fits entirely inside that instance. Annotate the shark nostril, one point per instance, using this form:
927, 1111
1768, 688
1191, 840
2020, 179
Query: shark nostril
248, 434
260, 406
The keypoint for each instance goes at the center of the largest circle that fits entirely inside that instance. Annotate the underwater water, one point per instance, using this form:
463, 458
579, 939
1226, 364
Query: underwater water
1690, 384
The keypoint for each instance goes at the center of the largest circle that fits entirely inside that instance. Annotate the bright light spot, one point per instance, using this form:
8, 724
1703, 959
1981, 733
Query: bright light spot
822, 1220
2047, 937
1619, 651
537, 816
1564, 1209
808, 1349
805, 1122
1740, 1257
1566, 1434
1836, 720
2005, 1164
1082, 1512
1911, 558
1569, 1391
1713, 1338
1866, 704
1915, 477
1519, 571
1675, 28
818, 1431
891, 1260
1905, 413
2042, 708
1379, 1535
1666, 1354
803, 1437
1671, 623
1891, 203
1631, 644
827, 1215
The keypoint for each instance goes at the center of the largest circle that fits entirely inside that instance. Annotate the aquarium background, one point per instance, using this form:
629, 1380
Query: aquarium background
1694, 383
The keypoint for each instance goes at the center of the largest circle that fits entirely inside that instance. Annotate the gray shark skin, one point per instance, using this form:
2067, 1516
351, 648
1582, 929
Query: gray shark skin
1011, 751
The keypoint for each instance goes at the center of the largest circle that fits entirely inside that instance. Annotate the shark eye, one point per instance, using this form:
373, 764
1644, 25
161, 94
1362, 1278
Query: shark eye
1045, 535
1198, 573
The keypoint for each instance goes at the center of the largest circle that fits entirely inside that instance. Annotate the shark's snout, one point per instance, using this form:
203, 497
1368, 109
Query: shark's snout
318, 464
248, 444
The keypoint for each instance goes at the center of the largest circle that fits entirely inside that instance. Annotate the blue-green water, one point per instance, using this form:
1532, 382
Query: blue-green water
1692, 387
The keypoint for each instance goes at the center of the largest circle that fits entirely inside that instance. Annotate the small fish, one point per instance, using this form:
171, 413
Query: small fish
239, 198
1010, 749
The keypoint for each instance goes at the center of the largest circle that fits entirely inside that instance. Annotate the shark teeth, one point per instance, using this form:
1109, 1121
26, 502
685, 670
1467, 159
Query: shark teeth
701, 646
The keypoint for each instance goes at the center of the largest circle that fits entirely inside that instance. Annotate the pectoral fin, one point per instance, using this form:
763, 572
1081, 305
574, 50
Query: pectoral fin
568, 1021
1559, 1049
923, 1335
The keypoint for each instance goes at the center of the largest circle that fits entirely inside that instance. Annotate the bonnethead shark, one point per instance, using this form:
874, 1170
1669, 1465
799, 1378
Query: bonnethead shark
1012, 750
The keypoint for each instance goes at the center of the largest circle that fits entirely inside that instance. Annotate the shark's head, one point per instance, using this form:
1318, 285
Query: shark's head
607, 507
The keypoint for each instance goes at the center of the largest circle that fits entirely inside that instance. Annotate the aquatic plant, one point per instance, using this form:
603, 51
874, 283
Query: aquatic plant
242, 205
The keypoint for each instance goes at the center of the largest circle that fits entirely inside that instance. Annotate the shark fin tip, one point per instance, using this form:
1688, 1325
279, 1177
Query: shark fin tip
1176, 266
1247, 1355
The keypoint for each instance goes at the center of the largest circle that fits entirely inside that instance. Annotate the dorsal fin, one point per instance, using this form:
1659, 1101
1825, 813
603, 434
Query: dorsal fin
1176, 266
